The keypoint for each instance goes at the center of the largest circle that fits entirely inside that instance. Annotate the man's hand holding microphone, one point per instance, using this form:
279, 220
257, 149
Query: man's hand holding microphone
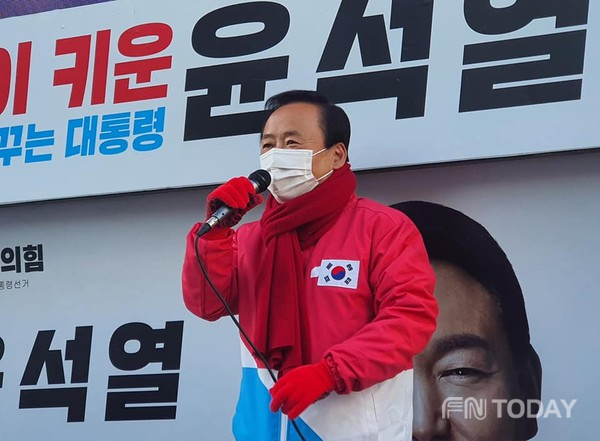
228, 203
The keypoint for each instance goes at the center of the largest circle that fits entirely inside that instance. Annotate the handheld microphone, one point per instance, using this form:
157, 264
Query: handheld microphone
260, 180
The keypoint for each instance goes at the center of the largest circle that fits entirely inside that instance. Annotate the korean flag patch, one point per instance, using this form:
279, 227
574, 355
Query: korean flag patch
342, 273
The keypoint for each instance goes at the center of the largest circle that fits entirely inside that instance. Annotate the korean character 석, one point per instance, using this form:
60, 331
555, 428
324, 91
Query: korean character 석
407, 83
42, 358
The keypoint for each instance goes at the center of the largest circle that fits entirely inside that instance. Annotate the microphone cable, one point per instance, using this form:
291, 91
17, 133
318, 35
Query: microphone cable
237, 324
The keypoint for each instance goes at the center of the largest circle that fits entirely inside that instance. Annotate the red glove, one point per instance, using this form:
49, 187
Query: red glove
300, 388
237, 193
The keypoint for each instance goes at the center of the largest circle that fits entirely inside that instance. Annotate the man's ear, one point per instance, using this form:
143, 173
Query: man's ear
340, 155
530, 382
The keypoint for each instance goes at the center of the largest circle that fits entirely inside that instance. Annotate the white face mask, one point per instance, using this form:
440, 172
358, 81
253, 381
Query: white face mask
291, 172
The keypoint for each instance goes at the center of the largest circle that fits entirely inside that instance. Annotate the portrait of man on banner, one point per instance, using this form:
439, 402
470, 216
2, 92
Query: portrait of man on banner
480, 357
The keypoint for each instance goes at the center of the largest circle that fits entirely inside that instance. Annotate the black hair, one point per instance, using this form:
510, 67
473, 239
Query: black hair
334, 122
452, 237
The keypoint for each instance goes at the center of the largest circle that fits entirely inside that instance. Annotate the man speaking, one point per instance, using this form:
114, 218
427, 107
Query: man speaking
333, 291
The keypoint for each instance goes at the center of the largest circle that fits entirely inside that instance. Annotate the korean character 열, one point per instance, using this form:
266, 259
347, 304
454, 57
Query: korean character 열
162, 346
34, 258
11, 258
42, 358
508, 71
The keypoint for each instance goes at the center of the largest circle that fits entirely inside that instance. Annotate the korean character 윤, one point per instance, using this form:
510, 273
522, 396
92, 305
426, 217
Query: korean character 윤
147, 124
219, 81
11, 258
215, 83
42, 358
8, 149
114, 129
87, 138
161, 346
36, 139
34, 258
142, 41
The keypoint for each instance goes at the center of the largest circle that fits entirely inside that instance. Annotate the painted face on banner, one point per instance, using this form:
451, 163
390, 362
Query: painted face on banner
467, 357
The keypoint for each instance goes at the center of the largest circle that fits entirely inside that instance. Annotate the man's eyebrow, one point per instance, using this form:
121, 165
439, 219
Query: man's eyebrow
288, 133
459, 341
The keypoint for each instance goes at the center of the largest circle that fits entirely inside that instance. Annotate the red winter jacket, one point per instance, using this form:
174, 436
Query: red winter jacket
368, 288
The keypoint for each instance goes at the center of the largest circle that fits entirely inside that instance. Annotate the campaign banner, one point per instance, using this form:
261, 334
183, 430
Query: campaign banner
133, 95
96, 343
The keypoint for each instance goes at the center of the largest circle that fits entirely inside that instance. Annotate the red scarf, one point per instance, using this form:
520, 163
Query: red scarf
286, 230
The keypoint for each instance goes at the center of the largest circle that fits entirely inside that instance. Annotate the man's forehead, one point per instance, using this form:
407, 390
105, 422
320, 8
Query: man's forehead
466, 307
302, 118
453, 342
286, 133
294, 112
